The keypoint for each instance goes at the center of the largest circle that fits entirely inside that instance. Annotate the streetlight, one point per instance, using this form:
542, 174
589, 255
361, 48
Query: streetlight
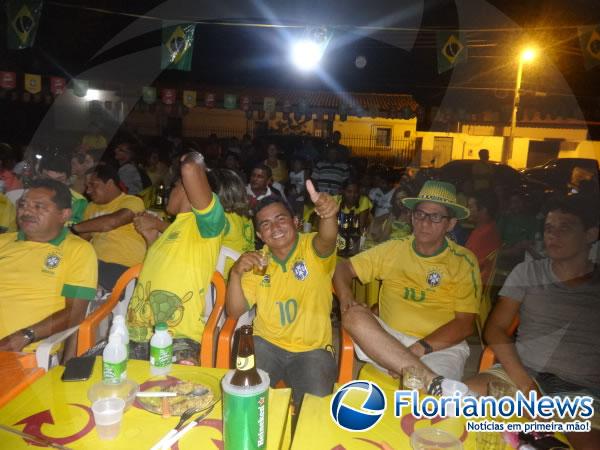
527, 55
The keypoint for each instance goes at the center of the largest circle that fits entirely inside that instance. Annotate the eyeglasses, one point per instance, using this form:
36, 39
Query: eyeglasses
433, 217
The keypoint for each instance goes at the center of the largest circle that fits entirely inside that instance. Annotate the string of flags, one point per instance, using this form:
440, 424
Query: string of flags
30, 86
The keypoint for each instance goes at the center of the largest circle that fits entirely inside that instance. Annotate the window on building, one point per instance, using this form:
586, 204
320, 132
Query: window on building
383, 138
407, 134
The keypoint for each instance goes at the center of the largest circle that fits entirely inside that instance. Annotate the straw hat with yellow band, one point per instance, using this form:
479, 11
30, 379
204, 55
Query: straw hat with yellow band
438, 192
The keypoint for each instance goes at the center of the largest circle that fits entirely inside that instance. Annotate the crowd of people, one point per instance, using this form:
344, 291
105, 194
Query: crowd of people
71, 224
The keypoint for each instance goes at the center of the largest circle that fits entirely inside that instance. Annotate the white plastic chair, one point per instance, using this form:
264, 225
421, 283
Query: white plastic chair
45, 353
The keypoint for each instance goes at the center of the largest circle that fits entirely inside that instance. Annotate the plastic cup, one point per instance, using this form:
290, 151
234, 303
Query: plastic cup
414, 378
108, 413
434, 439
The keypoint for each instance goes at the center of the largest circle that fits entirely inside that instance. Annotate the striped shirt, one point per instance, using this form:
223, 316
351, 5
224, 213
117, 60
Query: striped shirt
330, 176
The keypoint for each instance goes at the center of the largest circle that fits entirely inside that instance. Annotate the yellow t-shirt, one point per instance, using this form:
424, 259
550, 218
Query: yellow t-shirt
36, 277
364, 204
122, 245
176, 275
238, 235
293, 299
419, 294
8, 215
94, 141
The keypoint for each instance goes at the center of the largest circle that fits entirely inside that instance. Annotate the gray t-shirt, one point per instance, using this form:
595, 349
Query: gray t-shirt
559, 331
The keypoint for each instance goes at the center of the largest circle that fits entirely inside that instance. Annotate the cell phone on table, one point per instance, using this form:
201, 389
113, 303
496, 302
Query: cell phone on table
78, 369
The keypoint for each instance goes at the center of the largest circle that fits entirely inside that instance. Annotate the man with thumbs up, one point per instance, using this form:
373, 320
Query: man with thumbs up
292, 328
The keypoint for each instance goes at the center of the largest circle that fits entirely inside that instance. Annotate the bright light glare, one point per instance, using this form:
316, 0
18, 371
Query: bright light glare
528, 54
93, 94
306, 54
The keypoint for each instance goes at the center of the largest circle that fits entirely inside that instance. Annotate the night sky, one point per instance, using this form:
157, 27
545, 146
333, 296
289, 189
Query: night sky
400, 61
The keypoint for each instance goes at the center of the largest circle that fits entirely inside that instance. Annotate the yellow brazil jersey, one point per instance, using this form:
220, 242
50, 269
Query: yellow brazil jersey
35, 277
364, 204
7, 215
122, 245
238, 235
176, 275
419, 294
293, 299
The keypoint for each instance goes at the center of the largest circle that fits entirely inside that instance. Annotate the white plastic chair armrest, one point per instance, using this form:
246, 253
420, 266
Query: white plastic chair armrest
225, 253
42, 352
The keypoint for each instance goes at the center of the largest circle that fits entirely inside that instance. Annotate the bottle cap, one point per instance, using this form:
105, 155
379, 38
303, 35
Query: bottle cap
161, 326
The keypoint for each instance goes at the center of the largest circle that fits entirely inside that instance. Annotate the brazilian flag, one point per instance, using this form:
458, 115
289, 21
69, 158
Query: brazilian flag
177, 46
589, 39
451, 49
23, 20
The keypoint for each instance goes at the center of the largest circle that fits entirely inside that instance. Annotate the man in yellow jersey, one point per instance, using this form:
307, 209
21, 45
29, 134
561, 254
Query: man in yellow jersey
47, 274
238, 233
178, 267
293, 299
8, 215
58, 168
430, 292
108, 224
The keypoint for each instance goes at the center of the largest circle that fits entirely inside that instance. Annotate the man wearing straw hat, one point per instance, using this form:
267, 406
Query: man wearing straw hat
430, 293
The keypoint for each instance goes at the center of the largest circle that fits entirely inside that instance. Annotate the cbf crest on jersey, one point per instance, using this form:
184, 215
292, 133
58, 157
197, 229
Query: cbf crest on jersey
434, 278
300, 270
52, 261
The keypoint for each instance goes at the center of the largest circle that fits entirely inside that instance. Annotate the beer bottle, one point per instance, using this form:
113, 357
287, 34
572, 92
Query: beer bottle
355, 234
159, 197
347, 231
245, 372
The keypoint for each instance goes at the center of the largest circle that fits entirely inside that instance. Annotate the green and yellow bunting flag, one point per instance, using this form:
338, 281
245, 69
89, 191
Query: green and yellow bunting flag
189, 99
80, 87
149, 94
230, 101
177, 47
269, 104
23, 19
451, 49
33, 83
589, 39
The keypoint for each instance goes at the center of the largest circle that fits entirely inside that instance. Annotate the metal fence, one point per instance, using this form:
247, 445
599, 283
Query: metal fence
393, 153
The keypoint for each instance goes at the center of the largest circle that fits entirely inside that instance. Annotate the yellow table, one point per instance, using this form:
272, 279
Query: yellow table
60, 411
390, 433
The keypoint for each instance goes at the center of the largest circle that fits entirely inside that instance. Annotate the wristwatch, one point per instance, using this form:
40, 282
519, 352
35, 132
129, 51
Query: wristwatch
28, 334
423, 343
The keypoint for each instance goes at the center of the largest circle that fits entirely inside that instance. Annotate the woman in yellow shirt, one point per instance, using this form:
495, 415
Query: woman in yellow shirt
278, 166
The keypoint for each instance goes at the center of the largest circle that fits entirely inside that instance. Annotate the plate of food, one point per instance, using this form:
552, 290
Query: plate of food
172, 395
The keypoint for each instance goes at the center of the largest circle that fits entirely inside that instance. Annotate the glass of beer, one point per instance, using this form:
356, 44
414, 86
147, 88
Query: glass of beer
262, 268
413, 378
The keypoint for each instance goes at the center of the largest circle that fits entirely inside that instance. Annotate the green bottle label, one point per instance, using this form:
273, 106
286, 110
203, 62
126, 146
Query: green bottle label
161, 356
114, 372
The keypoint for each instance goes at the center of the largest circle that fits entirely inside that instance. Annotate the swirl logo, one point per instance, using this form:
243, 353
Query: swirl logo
358, 405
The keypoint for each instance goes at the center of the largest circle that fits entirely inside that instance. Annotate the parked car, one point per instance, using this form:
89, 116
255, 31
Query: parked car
504, 178
565, 174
